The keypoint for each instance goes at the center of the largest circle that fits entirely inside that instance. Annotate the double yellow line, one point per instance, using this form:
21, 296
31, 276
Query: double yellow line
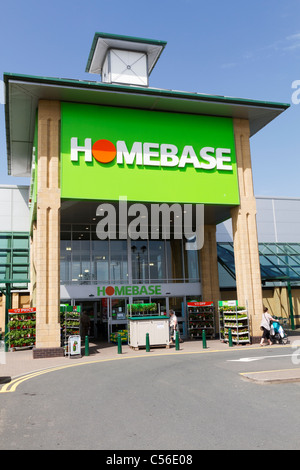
11, 386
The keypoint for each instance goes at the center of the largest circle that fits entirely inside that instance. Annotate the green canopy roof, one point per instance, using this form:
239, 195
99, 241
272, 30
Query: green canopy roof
278, 261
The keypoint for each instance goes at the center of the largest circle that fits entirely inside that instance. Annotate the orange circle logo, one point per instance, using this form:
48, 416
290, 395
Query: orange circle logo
104, 151
109, 290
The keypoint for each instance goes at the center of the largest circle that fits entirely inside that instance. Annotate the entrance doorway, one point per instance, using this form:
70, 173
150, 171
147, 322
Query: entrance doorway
108, 315
90, 308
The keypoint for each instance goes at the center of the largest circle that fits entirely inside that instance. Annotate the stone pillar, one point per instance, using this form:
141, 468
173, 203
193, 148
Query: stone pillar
246, 255
47, 234
209, 269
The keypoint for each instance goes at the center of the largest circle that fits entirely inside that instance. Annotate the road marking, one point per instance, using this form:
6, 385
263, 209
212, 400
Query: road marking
250, 359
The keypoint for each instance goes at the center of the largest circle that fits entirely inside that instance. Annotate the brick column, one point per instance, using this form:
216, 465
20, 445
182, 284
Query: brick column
247, 266
209, 269
47, 234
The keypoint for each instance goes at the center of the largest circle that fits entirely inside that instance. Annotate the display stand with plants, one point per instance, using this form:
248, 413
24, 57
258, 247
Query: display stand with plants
134, 310
69, 323
201, 317
145, 322
21, 328
235, 318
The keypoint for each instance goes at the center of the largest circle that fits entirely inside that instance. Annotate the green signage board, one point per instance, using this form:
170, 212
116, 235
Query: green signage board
146, 156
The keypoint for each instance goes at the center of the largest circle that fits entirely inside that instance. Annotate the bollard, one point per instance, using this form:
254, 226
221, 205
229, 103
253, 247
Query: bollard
87, 352
177, 341
119, 344
230, 337
147, 343
203, 339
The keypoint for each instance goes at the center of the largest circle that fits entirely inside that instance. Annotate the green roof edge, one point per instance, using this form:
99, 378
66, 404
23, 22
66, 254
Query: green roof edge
76, 83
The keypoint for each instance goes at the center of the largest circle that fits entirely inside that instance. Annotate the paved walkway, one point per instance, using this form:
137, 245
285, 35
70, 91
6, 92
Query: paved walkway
19, 363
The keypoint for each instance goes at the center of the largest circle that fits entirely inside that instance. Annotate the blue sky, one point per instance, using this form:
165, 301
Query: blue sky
233, 48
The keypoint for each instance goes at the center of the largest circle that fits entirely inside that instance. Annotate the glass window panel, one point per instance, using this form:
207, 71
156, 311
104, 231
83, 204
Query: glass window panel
5, 241
76, 268
81, 262
226, 246
118, 261
139, 260
100, 260
264, 249
20, 269
65, 268
65, 257
81, 228
287, 248
191, 263
65, 227
65, 235
86, 271
118, 309
157, 260
20, 276
5, 254
227, 257
20, 242
290, 260
80, 268
20, 259
174, 260
79, 236
2, 272
275, 248
264, 261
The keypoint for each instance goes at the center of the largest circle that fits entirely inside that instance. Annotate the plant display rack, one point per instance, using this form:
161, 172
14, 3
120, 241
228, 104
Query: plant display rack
201, 317
233, 317
69, 323
134, 310
21, 328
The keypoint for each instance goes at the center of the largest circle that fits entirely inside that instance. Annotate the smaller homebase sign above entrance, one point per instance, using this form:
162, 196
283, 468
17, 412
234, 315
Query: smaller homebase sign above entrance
90, 292
126, 290
147, 156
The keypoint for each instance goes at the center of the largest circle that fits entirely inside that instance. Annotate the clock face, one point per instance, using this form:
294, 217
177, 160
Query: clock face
128, 67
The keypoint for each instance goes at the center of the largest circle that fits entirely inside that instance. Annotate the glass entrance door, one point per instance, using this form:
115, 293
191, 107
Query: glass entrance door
117, 316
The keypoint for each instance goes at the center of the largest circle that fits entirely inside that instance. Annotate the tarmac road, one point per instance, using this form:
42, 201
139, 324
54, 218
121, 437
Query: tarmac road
157, 401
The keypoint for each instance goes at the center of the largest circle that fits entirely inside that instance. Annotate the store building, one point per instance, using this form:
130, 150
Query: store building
278, 231
111, 145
